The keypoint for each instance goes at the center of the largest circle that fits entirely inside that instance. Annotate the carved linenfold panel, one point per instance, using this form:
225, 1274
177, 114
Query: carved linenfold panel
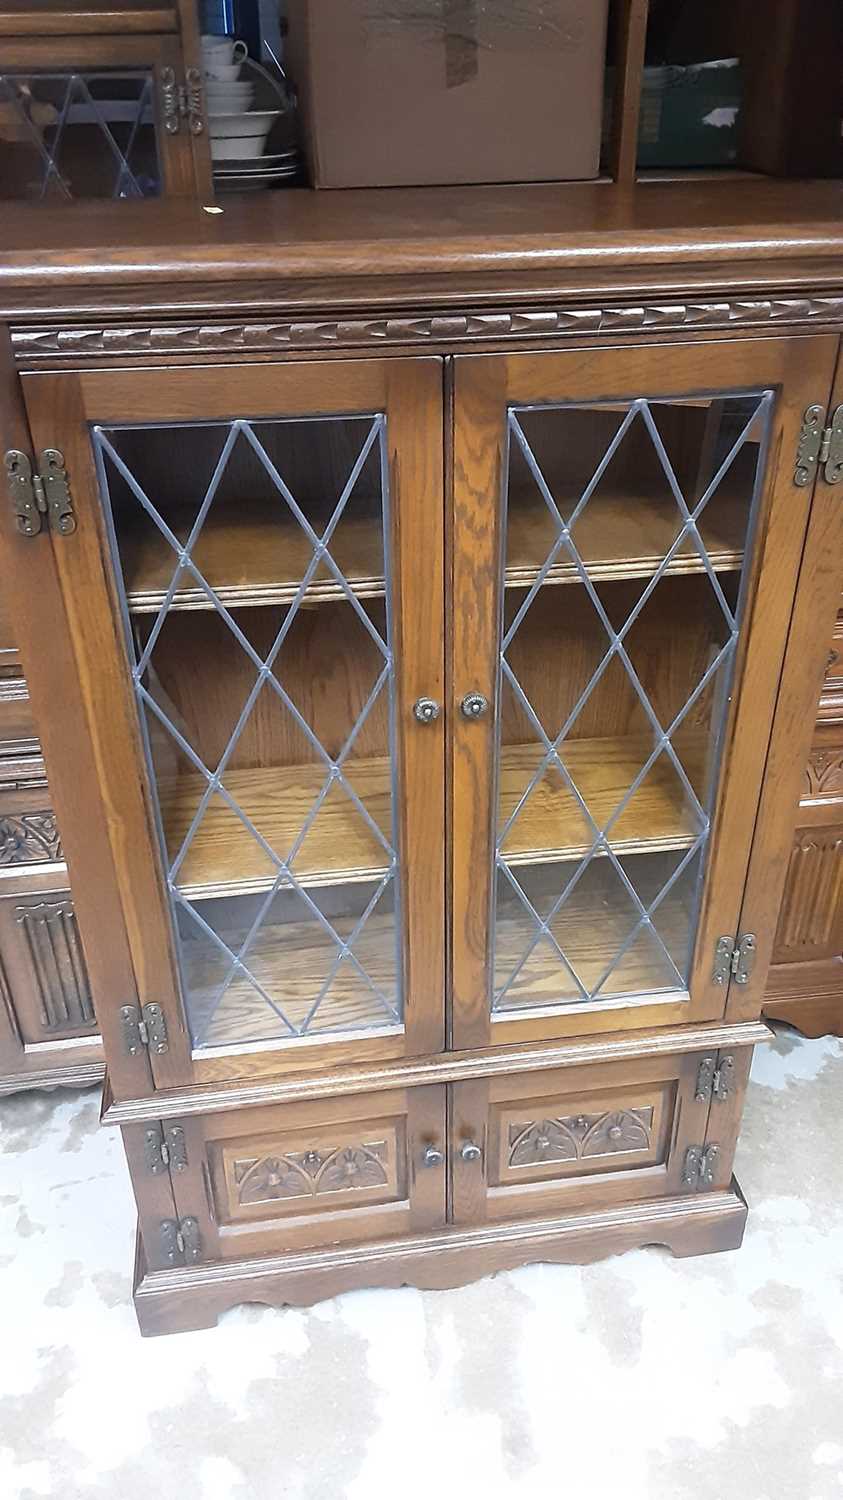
824, 776
29, 838
457, 326
305, 1174
809, 919
577, 1137
52, 941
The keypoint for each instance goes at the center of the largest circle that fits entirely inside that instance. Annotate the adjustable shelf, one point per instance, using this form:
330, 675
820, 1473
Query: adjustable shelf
588, 931
224, 859
250, 555
291, 962
551, 826
623, 534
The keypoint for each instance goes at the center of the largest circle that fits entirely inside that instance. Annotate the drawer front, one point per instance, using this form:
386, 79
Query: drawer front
304, 1175
572, 1137
44, 976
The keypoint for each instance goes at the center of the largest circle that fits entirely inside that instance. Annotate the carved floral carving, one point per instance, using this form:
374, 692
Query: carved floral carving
576, 1137
29, 838
824, 775
304, 1174
444, 327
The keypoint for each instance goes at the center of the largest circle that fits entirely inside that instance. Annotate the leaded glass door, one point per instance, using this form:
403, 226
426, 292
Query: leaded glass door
624, 543
273, 537
94, 118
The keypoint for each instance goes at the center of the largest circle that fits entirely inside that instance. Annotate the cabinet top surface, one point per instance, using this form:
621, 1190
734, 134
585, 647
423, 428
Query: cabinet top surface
413, 232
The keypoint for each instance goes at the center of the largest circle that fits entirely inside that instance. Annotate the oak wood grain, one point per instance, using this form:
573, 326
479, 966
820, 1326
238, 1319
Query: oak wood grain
181, 1300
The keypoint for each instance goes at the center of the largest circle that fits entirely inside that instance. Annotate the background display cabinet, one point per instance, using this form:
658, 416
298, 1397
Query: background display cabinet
101, 100
431, 640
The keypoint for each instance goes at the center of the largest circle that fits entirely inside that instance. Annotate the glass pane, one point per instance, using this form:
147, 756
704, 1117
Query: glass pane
254, 568
78, 135
627, 530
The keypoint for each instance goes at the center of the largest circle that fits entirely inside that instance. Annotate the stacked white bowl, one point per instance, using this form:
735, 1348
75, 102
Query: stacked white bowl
238, 133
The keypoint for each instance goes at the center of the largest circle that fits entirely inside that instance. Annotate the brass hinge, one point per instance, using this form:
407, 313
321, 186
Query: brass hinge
820, 446
43, 494
700, 1166
165, 1148
190, 101
180, 1241
831, 453
181, 101
734, 960
144, 1028
715, 1080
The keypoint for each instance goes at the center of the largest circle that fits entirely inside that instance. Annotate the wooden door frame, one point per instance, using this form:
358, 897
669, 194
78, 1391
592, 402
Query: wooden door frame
182, 174
794, 728
800, 370
471, 1104
29, 579
61, 407
423, 1110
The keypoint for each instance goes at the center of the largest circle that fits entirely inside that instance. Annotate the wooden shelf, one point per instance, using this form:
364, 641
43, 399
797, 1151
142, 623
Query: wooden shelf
250, 555
85, 17
291, 962
589, 931
224, 859
623, 535
551, 825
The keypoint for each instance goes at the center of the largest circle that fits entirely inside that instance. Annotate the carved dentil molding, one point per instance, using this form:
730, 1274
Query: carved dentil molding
261, 335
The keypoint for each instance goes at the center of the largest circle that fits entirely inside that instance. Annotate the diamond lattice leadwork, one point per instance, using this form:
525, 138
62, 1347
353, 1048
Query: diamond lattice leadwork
350, 954
71, 135
642, 909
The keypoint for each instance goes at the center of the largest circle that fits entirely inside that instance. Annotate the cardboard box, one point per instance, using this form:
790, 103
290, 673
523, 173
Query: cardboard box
411, 92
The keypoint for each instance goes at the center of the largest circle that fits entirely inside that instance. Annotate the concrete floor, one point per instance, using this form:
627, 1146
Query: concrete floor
641, 1377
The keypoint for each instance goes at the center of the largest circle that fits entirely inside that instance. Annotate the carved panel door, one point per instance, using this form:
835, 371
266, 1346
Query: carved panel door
549, 1142
628, 528
263, 1181
254, 590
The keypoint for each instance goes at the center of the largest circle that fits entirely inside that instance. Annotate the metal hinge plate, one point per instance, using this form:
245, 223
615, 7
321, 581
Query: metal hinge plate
810, 444
743, 958
734, 960
700, 1166
831, 453
181, 101
43, 494
715, 1080
165, 1148
144, 1028
181, 1243
820, 446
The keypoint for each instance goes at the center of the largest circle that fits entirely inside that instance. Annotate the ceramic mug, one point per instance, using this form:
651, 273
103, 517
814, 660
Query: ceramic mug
221, 72
223, 49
